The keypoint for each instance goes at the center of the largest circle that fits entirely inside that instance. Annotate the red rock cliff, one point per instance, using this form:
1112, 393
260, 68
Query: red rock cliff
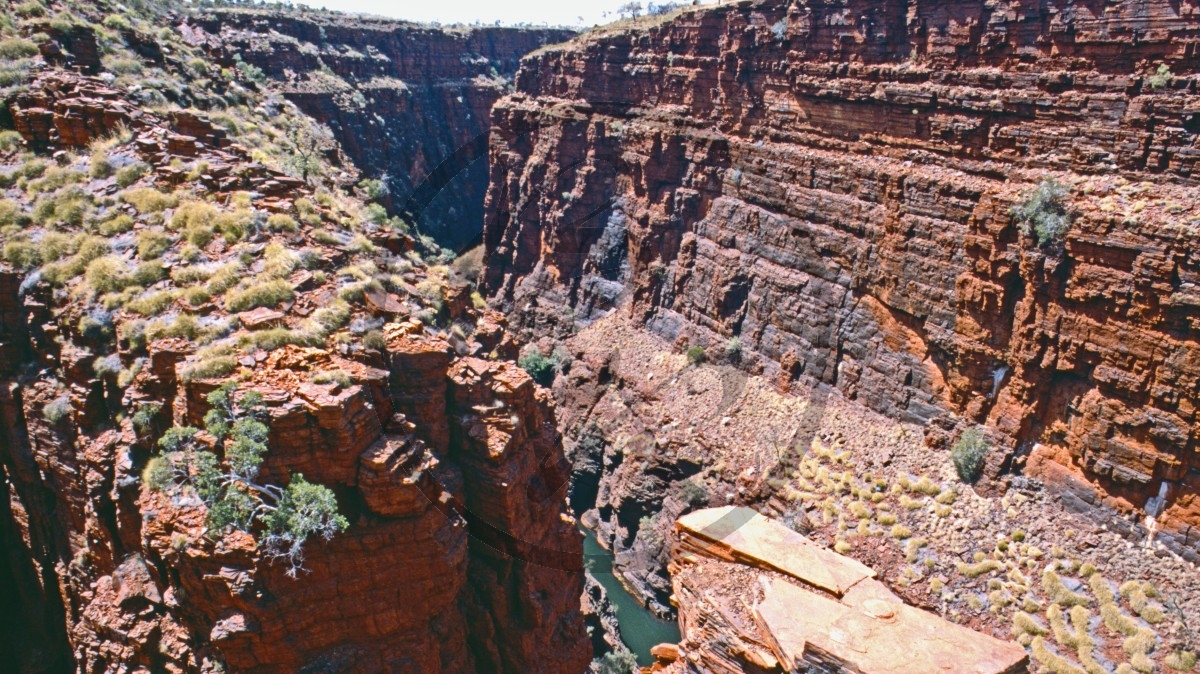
833, 184
400, 98
460, 554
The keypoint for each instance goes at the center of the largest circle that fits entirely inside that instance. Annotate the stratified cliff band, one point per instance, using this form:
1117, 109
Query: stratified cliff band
833, 185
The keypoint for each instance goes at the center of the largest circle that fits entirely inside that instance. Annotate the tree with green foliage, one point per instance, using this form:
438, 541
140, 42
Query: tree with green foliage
225, 477
1043, 214
310, 142
542, 368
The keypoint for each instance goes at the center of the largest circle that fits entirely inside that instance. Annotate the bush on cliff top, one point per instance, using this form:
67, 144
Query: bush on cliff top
226, 478
1043, 214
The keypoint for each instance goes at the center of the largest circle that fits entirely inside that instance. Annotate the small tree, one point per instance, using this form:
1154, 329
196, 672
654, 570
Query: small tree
696, 355
310, 142
968, 455
283, 518
1044, 213
630, 9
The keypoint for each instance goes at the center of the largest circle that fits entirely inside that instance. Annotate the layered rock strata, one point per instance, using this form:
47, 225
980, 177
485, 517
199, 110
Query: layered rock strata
407, 103
825, 191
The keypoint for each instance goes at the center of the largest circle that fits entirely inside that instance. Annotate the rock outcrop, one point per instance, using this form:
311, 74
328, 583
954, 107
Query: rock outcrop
756, 596
406, 102
833, 184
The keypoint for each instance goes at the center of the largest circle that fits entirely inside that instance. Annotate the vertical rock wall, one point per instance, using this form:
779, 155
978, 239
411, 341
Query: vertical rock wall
832, 183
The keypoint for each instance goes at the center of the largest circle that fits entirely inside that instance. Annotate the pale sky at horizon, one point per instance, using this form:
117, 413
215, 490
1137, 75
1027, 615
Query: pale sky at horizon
550, 12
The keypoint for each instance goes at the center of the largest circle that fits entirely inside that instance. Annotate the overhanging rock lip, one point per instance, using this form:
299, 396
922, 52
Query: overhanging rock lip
742, 535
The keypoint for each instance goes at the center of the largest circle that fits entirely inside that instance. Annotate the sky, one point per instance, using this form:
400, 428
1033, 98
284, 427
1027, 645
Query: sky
551, 12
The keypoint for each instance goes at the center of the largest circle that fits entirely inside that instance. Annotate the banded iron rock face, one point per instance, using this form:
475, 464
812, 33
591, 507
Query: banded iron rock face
833, 184
400, 98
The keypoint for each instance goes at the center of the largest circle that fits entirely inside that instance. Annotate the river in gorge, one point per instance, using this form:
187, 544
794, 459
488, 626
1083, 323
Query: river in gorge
640, 628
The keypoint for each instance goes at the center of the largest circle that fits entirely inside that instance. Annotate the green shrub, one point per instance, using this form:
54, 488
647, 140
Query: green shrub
693, 493
117, 225
151, 244
99, 166
15, 48
31, 9
278, 261
67, 206
131, 174
279, 222
209, 368
149, 200
55, 178
1161, 77
618, 662
107, 366
22, 254
374, 339
540, 367
56, 410
265, 294
338, 377
1058, 593
281, 518
34, 168
107, 274
153, 304
375, 214
11, 214
269, 340
1181, 661
10, 140
116, 22
148, 273
696, 355
143, 418
1043, 214
360, 244
56, 245
332, 316
196, 295
969, 455
167, 327
225, 277
89, 248
236, 225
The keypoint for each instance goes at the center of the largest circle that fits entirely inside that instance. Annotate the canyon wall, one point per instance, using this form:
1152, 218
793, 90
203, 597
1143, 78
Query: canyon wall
445, 465
400, 98
833, 185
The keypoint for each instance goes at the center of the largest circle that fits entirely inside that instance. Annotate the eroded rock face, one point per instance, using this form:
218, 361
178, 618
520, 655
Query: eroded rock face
833, 185
400, 98
410, 586
429, 453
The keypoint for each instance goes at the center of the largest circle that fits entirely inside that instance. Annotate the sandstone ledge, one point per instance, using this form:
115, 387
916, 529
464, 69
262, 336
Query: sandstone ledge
772, 597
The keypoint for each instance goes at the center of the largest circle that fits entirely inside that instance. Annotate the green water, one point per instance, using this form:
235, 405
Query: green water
640, 629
